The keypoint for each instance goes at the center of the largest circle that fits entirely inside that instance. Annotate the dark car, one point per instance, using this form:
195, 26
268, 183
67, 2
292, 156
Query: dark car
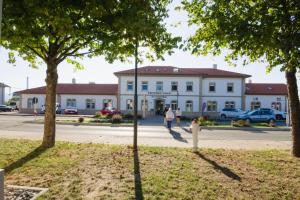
258, 116
4, 108
109, 111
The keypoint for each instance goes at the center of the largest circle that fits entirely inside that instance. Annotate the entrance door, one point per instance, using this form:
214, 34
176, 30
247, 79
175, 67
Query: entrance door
159, 106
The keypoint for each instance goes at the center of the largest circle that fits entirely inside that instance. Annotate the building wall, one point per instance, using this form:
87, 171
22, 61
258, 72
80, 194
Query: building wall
266, 101
62, 99
221, 86
2, 95
221, 102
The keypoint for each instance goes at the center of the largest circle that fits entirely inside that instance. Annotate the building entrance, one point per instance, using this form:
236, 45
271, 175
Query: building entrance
159, 106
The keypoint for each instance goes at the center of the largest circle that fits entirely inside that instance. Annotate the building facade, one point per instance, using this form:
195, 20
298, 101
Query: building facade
196, 91
2, 93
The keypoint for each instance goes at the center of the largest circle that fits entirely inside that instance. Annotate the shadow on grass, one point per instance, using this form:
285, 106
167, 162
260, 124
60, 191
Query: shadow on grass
177, 136
216, 166
137, 177
19, 163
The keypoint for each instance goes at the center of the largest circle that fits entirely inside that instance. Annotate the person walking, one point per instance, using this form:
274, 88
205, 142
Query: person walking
169, 118
178, 114
195, 128
164, 113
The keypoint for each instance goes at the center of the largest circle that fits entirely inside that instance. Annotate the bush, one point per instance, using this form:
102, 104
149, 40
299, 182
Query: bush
80, 119
128, 116
116, 118
204, 122
240, 123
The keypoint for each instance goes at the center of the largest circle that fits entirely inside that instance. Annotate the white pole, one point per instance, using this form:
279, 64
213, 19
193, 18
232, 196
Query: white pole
195, 132
1, 184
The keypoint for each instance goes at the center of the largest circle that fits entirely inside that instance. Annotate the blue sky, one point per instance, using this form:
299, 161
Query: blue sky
99, 71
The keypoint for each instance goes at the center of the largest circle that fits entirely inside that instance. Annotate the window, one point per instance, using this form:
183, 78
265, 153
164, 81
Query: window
144, 85
107, 103
71, 102
189, 106
212, 106
174, 105
174, 86
144, 103
90, 103
129, 104
189, 86
29, 103
229, 87
159, 86
129, 86
276, 105
229, 104
212, 87
255, 105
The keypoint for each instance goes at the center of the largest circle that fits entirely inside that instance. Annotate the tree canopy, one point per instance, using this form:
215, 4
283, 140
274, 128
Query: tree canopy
255, 30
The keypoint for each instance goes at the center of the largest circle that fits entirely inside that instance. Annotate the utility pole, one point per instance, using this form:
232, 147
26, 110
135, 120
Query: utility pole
135, 117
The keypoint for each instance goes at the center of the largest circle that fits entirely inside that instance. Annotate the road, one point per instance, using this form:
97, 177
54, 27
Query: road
14, 127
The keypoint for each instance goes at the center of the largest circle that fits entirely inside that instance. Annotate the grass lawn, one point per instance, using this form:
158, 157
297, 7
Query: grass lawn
92, 171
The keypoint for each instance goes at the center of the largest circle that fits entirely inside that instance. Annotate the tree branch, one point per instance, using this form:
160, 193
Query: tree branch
36, 52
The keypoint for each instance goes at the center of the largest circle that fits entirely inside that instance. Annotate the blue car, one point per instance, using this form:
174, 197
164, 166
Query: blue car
258, 116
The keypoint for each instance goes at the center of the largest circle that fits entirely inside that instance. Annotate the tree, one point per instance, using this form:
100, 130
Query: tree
255, 30
52, 31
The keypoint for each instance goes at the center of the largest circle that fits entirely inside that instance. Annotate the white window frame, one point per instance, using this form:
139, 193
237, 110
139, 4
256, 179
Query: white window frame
255, 105
174, 83
90, 104
144, 83
129, 104
128, 84
71, 102
276, 105
189, 83
174, 104
229, 104
212, 84
189, 106
212, 106
230, 85
159, 83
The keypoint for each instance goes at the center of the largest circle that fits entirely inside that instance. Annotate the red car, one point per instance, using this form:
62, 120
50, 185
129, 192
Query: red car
71, 110
109, 111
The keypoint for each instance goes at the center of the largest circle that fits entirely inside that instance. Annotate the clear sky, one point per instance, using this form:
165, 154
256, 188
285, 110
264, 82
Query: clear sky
99, 71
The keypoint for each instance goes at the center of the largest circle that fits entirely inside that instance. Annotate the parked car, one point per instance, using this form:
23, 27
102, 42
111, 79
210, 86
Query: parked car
57, 109
279, 115
109, 111
258, 116
71, 110
5, 108
230, 113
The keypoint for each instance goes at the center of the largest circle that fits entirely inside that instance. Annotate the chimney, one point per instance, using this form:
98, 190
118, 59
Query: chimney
249, 81
215, 66
73, 81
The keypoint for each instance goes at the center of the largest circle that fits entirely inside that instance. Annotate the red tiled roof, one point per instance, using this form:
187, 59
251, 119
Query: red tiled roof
67, 88
170, 70
266, 89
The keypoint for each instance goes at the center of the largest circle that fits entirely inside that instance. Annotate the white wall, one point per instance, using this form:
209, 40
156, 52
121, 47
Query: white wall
221, 102
221, 86
266, 101
166, 84
81, 100
25, 97
2, 95
151, 101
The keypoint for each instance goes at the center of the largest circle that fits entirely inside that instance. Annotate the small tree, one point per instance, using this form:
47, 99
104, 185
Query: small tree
52, 31
260, 30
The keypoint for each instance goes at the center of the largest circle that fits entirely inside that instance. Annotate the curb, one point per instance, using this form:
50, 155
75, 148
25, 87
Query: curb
83, 124
247, 129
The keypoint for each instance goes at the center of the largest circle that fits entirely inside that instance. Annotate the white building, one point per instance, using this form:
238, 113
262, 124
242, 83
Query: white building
2, 93
197, 91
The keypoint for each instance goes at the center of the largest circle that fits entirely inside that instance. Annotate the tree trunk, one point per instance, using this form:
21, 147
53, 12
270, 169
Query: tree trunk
50, 114
294, 107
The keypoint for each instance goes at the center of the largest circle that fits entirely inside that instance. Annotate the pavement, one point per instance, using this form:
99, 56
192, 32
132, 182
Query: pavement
14, 127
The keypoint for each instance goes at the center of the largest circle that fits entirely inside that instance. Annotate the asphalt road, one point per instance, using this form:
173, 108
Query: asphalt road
14, 127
